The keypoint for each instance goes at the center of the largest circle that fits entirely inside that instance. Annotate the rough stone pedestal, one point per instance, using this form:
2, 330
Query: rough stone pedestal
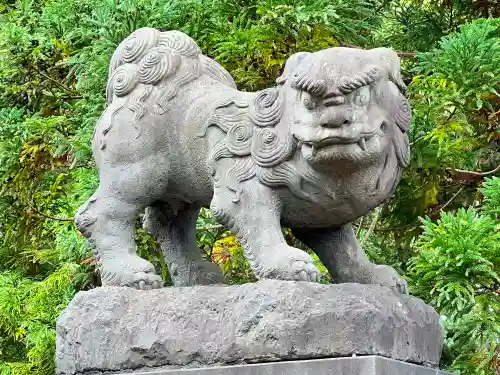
117, 329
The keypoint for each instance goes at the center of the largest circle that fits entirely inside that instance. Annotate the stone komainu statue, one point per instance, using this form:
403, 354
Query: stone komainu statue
314, 153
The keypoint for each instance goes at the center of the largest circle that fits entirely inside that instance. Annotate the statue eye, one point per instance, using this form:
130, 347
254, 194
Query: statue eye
362, 97
309, 103
360, 100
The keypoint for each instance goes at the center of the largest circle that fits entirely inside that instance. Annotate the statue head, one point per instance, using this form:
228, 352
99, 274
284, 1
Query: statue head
334, 111
345, 106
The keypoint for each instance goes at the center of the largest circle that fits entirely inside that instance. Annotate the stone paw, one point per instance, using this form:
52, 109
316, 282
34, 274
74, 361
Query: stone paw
196, 272
288, 263
132, 271
387, 276
209, 273
146, 281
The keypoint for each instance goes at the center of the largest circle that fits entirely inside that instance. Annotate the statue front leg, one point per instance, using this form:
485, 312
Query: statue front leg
342, 255
108, 221
255, 220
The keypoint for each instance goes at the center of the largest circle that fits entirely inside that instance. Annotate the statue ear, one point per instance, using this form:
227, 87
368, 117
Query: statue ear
389, 62
291, 63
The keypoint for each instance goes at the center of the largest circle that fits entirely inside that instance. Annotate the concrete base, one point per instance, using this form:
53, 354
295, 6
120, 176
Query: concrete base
369, 365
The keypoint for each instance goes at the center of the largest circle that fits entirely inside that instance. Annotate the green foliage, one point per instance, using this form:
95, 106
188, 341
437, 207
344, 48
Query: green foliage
256, 44
420, 24
457, 269
491, 204
454, 97
228, 253
459, 257
28, 310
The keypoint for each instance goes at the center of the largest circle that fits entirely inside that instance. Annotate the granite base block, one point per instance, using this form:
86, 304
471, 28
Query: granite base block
367, 365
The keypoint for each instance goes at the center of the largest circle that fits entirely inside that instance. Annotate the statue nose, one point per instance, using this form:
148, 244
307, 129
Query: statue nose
336, 120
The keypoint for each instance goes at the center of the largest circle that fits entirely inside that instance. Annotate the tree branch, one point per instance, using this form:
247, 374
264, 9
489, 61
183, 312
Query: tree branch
479, 174
395, 229
494, 114
45, 216
360, 226
410, 55
451, 199
69, 91
208, 227
71, 97
468, 177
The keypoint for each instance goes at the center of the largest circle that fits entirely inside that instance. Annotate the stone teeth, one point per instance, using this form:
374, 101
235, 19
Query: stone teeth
313, 152
362, 144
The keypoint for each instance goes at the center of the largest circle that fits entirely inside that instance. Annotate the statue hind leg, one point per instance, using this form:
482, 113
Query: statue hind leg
174, 228
342, 255
108, 220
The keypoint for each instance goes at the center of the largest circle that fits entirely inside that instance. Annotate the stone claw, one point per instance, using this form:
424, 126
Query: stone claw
157, 284
289, 263
132, 271
402, 286
146, 281
303, 276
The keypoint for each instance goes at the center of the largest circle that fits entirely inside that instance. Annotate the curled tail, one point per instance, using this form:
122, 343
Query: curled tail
151, 57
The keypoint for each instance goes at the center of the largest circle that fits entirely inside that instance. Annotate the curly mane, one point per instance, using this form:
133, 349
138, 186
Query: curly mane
262, 151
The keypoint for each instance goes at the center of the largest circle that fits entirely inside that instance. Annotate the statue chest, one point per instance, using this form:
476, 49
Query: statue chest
337, 203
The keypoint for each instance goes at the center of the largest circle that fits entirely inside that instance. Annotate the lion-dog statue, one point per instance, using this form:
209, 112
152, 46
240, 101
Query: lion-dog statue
316, 152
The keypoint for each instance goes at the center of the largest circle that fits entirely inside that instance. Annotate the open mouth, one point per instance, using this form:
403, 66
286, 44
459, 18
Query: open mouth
360, 140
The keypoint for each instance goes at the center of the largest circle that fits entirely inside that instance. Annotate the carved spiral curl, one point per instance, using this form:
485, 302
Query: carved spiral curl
269, 150
157, 64
218, 212
180, 43
267, 108
239, 139
124, 80
138, 44
349, 84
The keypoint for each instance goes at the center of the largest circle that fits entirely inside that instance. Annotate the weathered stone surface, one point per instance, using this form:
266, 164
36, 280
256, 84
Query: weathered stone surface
368, 365
114, 328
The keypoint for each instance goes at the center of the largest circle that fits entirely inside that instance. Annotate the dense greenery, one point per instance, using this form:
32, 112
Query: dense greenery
441, 229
